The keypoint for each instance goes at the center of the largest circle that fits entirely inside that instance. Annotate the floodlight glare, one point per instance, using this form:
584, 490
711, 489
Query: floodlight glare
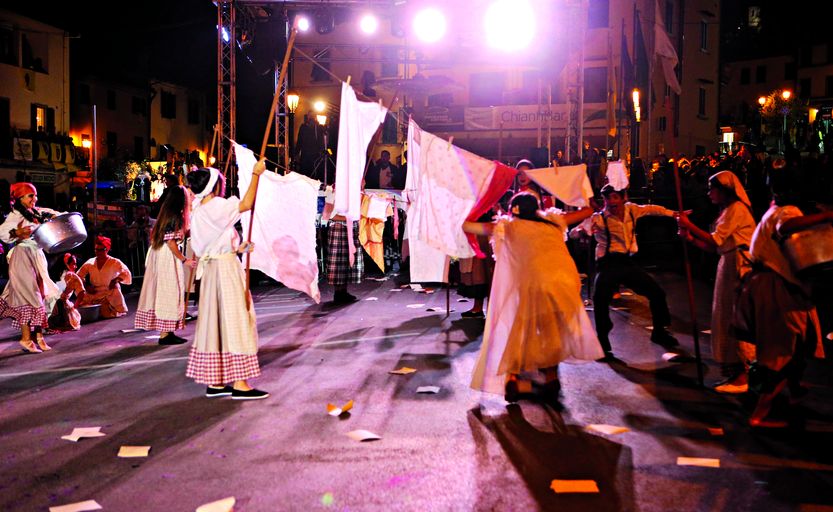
303, 23
429, 25
510, 24
319, 106
369, 24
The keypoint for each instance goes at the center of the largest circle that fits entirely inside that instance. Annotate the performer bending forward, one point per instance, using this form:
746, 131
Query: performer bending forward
225, 341
536, 317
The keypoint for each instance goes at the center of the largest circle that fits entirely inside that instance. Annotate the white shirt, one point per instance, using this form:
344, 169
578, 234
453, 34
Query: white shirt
622, 234
212, 227
16, 219
765, 247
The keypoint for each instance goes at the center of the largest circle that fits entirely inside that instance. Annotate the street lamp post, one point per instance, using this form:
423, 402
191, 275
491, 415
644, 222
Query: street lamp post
761, 103
785, 95
292, 100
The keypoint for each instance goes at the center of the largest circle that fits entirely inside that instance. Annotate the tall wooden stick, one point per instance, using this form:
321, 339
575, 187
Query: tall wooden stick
695, 331
211, 151
269, 121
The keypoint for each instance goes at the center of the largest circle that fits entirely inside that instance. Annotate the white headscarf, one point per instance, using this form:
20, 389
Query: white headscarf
209, 188
730, 181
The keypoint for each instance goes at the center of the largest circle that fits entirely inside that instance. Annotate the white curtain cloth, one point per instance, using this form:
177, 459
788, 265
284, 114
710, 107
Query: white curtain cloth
568, 183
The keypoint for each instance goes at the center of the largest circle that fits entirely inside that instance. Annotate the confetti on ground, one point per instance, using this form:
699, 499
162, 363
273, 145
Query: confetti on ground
81, 432
327, 499
403, 371
436, 309
372, 298
378, 279
133, 451
362, 435
333, 410
671, 357
429, 291
415, 287
697, 461
706, 331
415, 306
128, 331
564, 486
223, 505
428, 389
81, 506
396, 290
151, 337
608, 429
717, 431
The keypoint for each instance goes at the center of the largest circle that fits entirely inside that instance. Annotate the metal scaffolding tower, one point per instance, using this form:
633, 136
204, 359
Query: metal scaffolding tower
574, 72
226, 79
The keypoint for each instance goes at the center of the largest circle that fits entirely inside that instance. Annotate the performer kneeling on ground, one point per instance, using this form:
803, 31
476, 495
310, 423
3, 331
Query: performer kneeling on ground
775, 310
615, 231
536, 316
225, 341
29, 287
162, 301
64, 316
107, 274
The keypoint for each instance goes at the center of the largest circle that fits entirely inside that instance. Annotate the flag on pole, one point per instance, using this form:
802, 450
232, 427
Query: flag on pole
665, 52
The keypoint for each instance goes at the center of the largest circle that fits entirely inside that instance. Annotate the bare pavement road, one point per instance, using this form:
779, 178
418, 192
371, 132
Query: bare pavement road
454, 450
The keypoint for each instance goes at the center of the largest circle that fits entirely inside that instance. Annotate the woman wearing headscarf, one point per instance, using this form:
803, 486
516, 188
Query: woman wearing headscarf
225, 341
29, 286
730, 238
106, 275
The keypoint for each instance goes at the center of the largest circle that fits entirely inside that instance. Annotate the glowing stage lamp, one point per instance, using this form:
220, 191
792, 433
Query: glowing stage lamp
319, 106
509, 24
762, 100
369, 24
292, 101
322, 119
429, 25
786, 94
86, 143
303, 23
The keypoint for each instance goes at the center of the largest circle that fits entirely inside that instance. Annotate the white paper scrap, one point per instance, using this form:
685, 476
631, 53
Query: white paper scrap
378, 279
81, 432
403, 371
81, 506
223, 505
428, 389
698, 461
133, 451
671, 356
608, 429
416, 287
362, 435
333, 410
128, 331
415, 306
372, 298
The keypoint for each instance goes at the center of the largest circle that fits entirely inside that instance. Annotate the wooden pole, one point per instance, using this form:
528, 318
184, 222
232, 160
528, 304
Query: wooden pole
293, 32
211, 151
695, 332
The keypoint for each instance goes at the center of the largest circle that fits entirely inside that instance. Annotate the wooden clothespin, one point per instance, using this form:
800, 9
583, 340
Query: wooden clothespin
450, 141
348, 79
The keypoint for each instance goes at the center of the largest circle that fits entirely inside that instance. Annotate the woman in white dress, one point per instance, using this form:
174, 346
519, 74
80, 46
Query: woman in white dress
730, 238
536, 316
106, 275
162, 300
65, 316
29, 287
225, 341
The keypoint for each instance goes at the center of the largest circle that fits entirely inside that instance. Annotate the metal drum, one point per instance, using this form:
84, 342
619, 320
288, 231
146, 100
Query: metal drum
810, 251
61, 233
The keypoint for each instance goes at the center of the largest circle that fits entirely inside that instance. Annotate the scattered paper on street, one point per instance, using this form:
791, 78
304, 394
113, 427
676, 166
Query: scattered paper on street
717, 431
396, 290
223, 505
437, 309
416, 287
671, 356
379, 279
428, 389
608, 429
564, 486
403, 371
133, 451
697, 461
415, 306
81, 506
362, 435
128, 331
333, 410
372, 298
81, 432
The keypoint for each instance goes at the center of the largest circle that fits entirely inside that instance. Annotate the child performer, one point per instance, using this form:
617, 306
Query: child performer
536, 317
64, 316
162, 301
225, 341
29, 285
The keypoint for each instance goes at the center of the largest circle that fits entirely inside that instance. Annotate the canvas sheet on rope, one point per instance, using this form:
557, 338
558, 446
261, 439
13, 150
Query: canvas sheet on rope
568, 183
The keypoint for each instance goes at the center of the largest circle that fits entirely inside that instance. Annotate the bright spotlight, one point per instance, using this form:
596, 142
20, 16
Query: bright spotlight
225, 33
510, 24
303, 23
369, 24
319, 106
429, 25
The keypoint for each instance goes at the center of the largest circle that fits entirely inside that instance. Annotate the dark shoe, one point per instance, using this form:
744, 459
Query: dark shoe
512, 394
172, 339
344, 298
663, 338
252, 394
214, 392
472, 314
189, 317
608, 357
